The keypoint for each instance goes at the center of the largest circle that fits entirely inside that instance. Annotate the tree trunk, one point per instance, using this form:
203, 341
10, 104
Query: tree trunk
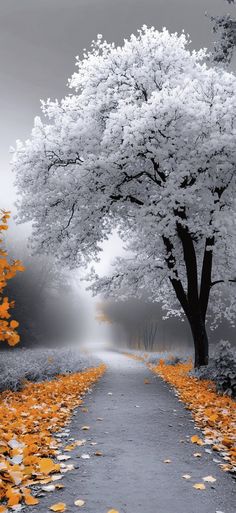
201, 345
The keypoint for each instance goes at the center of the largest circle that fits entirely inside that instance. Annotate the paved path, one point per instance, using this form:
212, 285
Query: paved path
143, 425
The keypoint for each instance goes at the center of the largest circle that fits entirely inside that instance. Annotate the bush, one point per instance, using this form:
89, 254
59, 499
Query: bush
221, 369
39, 365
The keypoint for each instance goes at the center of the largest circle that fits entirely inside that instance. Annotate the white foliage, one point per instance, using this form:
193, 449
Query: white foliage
145, 143
39, 364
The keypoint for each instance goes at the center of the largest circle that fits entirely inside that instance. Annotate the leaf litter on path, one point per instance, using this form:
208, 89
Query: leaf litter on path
31, 432
214, 414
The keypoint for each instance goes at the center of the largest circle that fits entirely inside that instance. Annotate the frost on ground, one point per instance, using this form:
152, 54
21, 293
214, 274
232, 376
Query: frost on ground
39, 365
170, 357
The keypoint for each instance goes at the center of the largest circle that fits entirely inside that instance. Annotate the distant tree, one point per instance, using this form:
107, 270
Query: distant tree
224, 47
138, 319
8, 269
138, 323
147, 144
47, 305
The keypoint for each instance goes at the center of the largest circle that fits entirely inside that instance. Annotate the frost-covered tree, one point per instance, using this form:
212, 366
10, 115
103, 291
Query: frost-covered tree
145, 143
224, 47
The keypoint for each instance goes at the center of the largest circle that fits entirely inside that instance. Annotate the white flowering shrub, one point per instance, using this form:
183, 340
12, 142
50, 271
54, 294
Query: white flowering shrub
221, 369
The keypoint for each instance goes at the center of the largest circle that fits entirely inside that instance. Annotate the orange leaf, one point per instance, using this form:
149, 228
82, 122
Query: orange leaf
60, 506
47, 466
31, 501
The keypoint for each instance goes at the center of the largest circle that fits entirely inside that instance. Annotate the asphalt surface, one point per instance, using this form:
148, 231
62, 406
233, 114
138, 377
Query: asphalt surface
143, 424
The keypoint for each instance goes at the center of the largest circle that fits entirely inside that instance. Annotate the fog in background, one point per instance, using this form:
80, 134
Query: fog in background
38, 44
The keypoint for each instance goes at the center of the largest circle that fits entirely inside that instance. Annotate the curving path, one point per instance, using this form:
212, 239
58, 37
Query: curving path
143, 425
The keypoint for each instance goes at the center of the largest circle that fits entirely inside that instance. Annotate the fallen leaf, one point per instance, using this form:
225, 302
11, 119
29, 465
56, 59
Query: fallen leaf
56, 477
85, 428
70, 447
79, 502
199, 486
98, 453
48, 488
186, 476
113, 511
85, 456
13, 496
31, 501
146, 382
46, 465
67, 467
60, 506
209, 479
78, 443
196, 440
167, 461
28, 447
197, 455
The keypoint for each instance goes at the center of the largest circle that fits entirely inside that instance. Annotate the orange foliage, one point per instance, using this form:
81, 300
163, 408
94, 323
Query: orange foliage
28, 420
213, 413
8, 270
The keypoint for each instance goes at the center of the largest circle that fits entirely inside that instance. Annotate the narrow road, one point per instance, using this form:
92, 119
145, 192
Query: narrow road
143, 425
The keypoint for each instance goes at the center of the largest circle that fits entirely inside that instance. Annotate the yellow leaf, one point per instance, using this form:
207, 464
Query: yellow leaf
79, 502
199, 486
85, 428
113, 511
3, 509
60, 506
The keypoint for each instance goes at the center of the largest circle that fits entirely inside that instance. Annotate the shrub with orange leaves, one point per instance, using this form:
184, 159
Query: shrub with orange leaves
215, 414
28, 420
8, 270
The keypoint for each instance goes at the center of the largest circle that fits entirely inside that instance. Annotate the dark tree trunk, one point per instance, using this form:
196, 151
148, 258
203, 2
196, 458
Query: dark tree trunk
200, 339
193, 303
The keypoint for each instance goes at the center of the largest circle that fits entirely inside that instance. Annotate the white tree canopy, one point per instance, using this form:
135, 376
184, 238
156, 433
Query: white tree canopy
146, 142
